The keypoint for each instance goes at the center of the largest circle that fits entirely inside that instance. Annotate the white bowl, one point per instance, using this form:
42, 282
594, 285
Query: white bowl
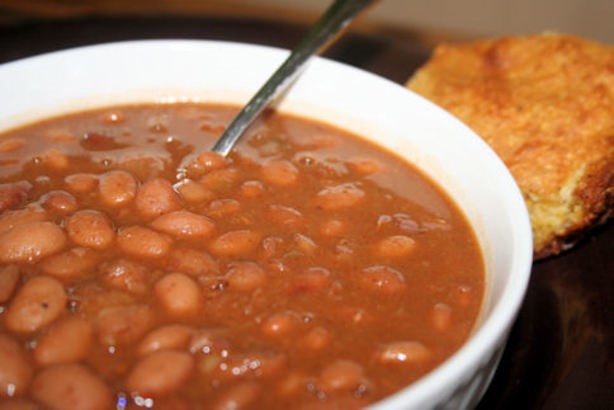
213, 71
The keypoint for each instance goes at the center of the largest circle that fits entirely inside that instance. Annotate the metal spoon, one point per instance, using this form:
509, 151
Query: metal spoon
338, 15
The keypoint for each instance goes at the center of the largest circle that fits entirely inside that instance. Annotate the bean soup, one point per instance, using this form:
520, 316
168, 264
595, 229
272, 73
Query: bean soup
308, 270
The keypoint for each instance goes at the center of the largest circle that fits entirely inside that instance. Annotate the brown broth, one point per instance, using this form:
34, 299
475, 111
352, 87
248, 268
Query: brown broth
356, 274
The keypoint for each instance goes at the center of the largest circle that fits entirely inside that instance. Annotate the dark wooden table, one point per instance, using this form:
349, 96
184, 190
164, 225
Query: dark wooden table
561, 349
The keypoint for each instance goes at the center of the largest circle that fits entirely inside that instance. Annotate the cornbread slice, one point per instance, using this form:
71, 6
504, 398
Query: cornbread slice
545, 104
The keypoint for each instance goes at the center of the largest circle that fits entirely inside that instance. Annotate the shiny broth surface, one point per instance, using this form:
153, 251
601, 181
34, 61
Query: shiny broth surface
310, 269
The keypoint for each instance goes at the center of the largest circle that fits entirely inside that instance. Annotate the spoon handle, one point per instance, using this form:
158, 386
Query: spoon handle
336, 17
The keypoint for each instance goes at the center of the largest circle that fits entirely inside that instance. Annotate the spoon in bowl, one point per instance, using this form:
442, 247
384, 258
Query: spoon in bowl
322, 34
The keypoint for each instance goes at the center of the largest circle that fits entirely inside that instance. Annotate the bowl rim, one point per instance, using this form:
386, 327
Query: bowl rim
493, 329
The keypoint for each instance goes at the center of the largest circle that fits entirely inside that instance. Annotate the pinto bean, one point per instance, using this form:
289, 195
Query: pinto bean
364, 166
67, 340
223, 207
9, 279
204, 163
117, 188
193, 192
11, 219
310, 280
333, 228
235, 243
11, 145
281, 323
16, 371
179, 295
160, 373
38, 303
60, 202
208, 161
81, 183
157, 197
165, 337
184, 225
125, 275
382, 280
285, 216
239, 396
55, 159
123, 325
71, 264
252, 189
403, 352
143, 242
304, 244
143, 168
192, 262
96, 141
341, 375
316, 339
292, 383
13, 194
71, 386
280, 173
221, 179
90, 229
271, 247
441, 316
31, 242
395, 247
60, 135
339, 197
245, 276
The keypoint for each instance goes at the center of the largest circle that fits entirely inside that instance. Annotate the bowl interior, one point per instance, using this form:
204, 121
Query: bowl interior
379, 110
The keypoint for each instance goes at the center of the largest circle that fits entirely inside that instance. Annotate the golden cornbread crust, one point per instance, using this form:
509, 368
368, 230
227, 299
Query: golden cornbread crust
545, 104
